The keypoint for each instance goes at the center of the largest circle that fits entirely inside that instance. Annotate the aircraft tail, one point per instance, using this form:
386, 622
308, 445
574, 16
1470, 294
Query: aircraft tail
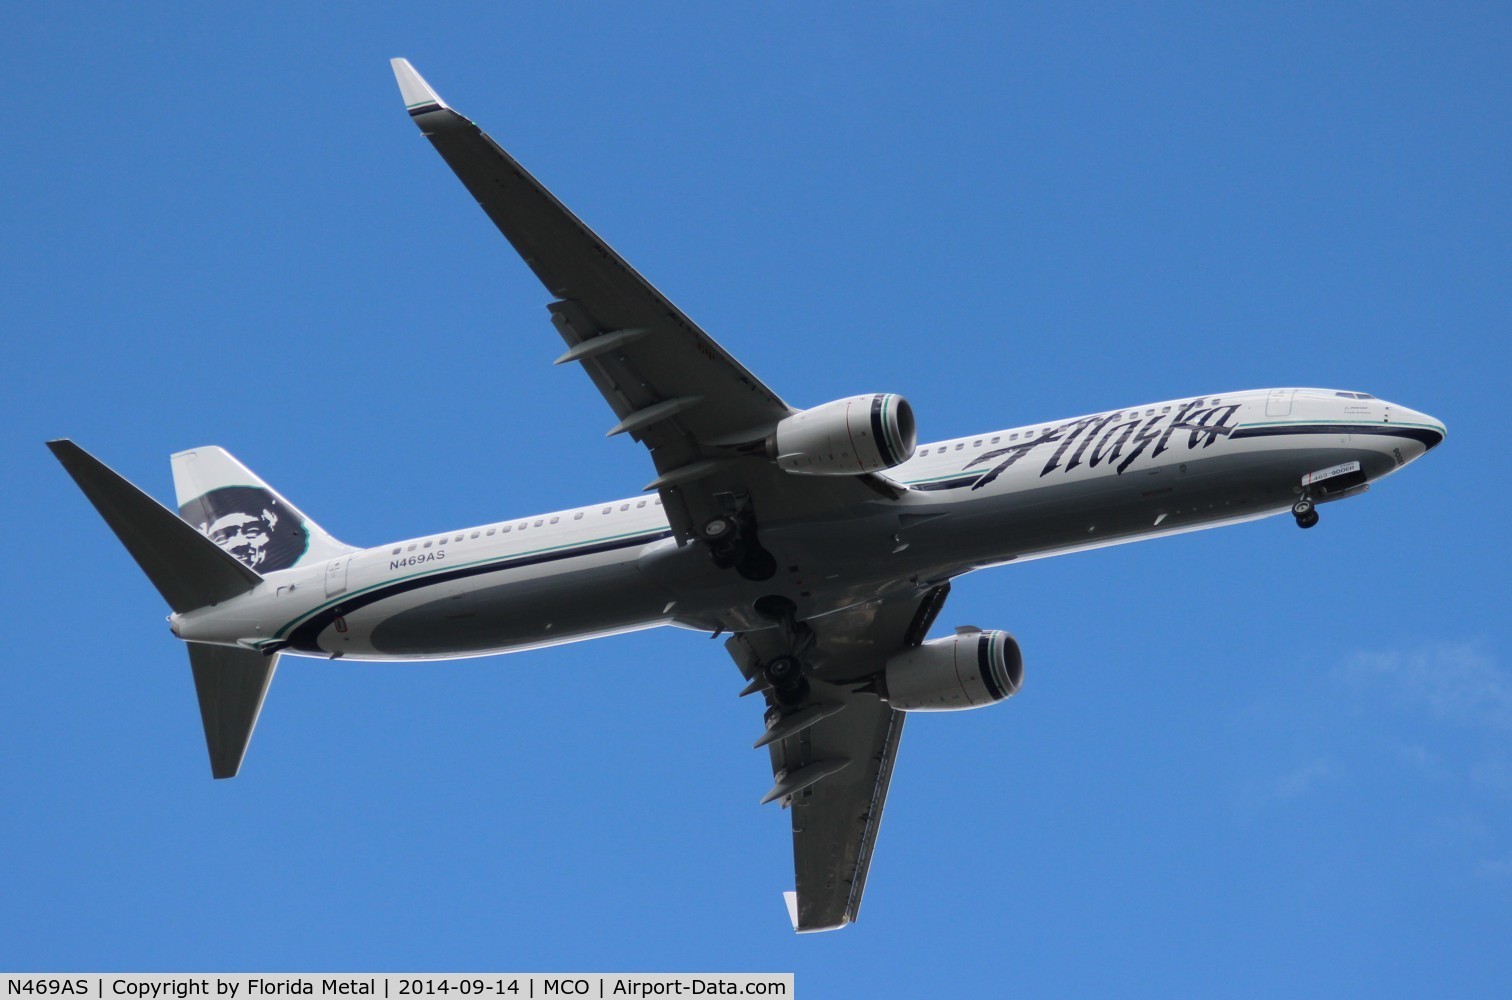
244, 515
202, 556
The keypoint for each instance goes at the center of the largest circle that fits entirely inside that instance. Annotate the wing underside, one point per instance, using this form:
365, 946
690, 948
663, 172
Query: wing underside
833, 753
703, 416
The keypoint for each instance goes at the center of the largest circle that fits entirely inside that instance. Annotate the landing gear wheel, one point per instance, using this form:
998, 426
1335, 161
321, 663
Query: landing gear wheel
717, 529
785, 675
1302, 508
1307, 520
782, 671
793, 695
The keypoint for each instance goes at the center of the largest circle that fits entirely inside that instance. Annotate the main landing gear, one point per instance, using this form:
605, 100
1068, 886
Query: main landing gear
732, 542
784, 673
1305, 512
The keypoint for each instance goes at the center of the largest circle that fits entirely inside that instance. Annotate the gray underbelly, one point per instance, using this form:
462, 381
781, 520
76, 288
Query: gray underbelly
523, 613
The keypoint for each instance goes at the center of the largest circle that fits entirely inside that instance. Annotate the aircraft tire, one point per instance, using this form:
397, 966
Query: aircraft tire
793, 694
717, 529
783, 671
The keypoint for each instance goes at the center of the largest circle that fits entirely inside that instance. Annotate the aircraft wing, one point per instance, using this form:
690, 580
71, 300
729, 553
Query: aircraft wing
832, 754
703, 416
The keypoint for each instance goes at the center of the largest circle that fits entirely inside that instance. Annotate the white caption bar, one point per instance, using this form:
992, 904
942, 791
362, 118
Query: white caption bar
393, 985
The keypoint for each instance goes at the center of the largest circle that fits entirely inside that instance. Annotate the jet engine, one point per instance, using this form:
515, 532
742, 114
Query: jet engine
967, 670
847, 437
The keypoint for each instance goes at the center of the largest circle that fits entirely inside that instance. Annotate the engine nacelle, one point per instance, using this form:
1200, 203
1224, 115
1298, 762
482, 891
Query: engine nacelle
967, 670
847, 437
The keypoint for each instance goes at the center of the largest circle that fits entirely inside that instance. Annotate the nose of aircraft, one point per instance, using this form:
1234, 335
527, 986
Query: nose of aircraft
1430, 431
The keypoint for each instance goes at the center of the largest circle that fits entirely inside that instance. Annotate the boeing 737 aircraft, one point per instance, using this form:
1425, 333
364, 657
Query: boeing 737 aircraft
823, 541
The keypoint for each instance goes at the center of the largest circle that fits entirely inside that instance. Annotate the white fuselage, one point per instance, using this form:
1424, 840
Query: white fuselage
976, 501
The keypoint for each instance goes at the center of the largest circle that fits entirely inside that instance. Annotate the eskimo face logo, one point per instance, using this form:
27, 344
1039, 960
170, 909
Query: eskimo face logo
250, 523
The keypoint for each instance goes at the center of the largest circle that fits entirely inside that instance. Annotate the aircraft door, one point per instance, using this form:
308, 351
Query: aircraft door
1279, 403
336, 575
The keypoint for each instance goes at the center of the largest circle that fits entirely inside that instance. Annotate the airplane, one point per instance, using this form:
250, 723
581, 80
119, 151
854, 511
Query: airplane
823, 541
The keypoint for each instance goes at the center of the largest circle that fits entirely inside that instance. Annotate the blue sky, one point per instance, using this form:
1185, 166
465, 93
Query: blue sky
1247, 762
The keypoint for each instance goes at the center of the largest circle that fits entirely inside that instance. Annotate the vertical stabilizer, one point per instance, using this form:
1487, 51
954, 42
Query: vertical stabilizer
231, 683
244, 515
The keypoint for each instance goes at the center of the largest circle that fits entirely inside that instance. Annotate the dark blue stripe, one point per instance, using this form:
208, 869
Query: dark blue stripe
1427, 435
304, 635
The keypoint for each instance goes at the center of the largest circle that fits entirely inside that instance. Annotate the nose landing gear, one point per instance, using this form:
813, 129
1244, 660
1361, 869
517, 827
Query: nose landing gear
1305, 512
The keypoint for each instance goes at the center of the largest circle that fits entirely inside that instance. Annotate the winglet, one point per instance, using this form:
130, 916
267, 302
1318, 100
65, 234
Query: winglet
418, 95
791, 899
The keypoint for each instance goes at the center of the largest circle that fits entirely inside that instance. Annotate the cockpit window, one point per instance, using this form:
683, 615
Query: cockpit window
1355, 395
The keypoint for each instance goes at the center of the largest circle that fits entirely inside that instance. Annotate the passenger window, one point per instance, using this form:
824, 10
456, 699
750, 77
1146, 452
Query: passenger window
640, 505
606, 510
457, 539
490, 531
996, 440
475, 534
624, 506
426, 545
539, 521
977, 443
412, 546
554, 520
960, 446
1165, 409
578, 516
395, 552
505, 530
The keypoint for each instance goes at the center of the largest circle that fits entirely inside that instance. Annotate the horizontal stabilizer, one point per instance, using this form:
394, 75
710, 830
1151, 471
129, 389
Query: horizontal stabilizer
188, 569
231, 683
